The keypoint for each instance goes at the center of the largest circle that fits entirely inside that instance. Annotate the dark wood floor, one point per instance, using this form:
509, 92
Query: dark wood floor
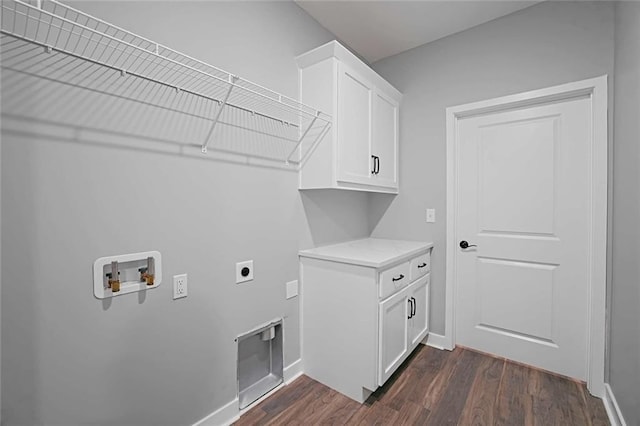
440, 388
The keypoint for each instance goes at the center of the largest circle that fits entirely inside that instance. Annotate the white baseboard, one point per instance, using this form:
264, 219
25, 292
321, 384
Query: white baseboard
230, 412
612, 407
438, 341
292, 371
223, 416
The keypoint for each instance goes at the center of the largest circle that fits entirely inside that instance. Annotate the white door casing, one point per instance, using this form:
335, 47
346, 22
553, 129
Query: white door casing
526, 181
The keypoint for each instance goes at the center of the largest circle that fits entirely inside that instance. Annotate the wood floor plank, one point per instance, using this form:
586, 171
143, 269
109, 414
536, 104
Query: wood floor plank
449, 408
437, 387
287, 395
412, 414
375, 414
254, 416
558, 400
596, 414
480, 405
337, 410
428, 367
438, 382
405, 386
514, 404
283, 400
307, 406
568, 401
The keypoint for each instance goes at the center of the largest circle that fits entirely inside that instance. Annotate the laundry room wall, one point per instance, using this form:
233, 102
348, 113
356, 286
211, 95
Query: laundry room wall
547, 44
624, 328
69, 358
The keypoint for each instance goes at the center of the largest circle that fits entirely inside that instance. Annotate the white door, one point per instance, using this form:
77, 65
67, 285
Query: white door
355, 96
524, 200
419, 321
394, 313
385, 140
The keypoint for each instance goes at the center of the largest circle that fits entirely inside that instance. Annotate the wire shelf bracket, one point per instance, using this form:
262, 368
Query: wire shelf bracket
215, 120
189, 101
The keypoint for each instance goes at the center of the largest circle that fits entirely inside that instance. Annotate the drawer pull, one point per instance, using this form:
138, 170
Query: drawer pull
397, 279
422, 265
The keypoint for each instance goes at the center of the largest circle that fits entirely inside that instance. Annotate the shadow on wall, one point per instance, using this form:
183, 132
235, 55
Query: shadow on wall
335, 215
378, 206
72, 99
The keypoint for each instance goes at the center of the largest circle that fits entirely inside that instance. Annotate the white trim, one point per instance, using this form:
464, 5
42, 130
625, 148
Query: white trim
223, 416
612, 408
293, 371
437, 341
596, 89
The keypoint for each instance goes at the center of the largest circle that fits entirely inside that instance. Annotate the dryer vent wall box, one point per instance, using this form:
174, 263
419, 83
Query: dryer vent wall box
260, 362
360, 152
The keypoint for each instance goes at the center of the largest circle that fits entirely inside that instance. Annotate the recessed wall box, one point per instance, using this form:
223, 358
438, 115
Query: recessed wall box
133, 272
260, 362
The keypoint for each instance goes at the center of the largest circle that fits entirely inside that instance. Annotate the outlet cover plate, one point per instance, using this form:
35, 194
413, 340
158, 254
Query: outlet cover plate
239, 267
431, 215
292, 289
179, 286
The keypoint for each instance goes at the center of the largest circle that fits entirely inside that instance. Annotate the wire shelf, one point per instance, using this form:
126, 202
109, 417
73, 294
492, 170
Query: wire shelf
63, 66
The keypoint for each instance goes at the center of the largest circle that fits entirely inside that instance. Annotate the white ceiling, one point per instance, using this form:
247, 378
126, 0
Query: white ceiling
378, 29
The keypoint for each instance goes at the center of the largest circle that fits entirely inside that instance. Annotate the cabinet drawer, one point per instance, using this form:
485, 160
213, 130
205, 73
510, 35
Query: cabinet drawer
393, 279
420, 266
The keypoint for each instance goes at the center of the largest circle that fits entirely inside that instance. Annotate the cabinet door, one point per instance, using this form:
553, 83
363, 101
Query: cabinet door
385, 140
393, 334
419, 322
355, 94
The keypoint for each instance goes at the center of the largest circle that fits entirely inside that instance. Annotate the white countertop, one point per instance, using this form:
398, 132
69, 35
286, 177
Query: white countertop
373, 252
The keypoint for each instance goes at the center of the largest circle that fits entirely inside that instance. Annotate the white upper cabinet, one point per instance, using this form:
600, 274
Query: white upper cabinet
355, 112
385, 139
360, 152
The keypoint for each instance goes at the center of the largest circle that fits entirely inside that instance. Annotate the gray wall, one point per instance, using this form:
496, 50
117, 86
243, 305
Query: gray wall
547, 44
624, 355
71, 359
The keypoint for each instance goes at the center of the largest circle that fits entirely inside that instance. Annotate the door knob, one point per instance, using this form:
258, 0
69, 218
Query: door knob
464, 244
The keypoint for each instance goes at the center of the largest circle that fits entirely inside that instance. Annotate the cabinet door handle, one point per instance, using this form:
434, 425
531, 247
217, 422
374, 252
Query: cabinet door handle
422, 265
413, 313
410, 308
397, 279
376, 165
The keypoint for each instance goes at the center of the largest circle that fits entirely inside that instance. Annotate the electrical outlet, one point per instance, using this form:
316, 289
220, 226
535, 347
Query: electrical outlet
431, 215
179, 286
244, 271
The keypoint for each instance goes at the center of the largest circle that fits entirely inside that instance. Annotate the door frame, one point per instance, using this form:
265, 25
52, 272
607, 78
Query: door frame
596, 90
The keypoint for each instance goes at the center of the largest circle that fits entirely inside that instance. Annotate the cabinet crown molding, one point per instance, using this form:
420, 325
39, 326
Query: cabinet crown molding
334, 49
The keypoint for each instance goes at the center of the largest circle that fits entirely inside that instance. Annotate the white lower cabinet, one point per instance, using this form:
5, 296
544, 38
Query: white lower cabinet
394, 334
364, 309
403, 325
